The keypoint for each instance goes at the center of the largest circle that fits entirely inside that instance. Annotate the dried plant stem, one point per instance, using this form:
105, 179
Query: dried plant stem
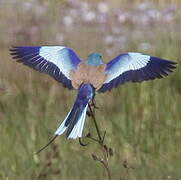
92, 113
105, 150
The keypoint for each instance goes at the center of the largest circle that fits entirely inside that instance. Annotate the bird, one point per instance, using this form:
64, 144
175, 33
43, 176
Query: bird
89, 76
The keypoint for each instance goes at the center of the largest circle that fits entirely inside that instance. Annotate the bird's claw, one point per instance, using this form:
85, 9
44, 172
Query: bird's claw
88, 113
93, 104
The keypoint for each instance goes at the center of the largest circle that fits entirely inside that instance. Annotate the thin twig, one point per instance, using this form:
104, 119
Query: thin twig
93, 139
95, 122
47, 144
81, 143
104, 148
107, 169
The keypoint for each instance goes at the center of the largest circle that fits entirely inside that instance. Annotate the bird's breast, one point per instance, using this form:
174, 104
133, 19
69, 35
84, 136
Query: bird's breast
84, 73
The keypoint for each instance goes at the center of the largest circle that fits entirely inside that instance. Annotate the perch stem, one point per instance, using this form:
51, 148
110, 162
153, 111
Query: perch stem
92, 112
105, 158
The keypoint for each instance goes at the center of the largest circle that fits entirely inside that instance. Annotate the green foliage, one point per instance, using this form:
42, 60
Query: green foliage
142, 120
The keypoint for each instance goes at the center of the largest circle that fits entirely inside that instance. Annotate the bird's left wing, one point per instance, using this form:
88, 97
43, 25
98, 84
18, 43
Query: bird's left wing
57, 61
135, 67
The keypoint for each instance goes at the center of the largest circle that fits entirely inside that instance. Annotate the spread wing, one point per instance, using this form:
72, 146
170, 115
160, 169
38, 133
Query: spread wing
135, 67
57, 61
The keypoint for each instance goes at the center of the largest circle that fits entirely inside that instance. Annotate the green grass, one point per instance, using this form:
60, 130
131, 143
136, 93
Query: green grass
143, 121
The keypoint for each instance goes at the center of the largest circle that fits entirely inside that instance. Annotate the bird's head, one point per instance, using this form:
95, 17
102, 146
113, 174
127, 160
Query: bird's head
94, 59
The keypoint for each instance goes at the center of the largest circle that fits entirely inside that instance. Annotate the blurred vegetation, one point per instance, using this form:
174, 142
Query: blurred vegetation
143, 121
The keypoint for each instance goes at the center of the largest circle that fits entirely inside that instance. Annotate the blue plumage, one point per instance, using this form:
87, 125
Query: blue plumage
94, 59
135, 68
65, 66
57, 61
74, 122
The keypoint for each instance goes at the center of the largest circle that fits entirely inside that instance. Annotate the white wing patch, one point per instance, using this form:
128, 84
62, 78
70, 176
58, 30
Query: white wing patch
131, 61
56, 55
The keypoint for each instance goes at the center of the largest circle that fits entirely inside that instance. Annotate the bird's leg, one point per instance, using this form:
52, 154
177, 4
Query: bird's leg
93, 104
88, 113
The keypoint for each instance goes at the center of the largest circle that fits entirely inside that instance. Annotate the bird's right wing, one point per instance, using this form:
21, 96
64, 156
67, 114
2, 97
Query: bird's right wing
57, 61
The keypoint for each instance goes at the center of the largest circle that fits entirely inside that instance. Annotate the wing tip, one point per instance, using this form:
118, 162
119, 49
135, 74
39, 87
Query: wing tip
13, 48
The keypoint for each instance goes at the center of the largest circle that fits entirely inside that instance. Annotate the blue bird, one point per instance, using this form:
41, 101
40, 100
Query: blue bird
89, 76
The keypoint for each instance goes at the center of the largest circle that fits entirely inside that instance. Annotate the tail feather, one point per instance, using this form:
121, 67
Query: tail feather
72, 114
83, 121
75, 118
78, 128
74, 121
61, 129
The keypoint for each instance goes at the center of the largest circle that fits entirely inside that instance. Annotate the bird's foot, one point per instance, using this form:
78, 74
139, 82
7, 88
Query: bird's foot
93, 104
88, 113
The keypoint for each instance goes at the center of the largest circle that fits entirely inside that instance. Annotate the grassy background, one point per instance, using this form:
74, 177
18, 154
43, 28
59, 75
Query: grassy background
143, 121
